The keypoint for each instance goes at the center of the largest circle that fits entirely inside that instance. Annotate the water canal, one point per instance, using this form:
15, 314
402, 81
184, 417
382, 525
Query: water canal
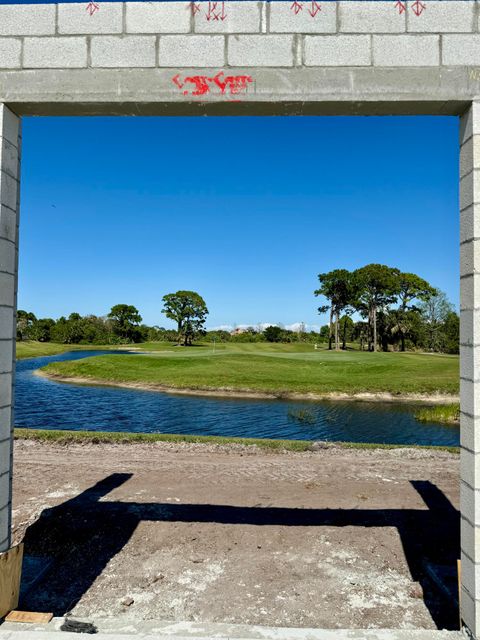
44, 404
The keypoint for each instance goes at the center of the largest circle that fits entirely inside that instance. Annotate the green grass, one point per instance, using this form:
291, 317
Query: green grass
445, 413
274, 368
104, 437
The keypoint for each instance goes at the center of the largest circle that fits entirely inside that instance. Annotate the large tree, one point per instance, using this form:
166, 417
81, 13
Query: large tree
410, 288
125, 319
339, 288
189, 311
435, 311
25, 322
377, 288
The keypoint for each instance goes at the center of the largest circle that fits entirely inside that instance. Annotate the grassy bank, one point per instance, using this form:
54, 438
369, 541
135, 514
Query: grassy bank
103, 437
272, 369
32, 349
446, 414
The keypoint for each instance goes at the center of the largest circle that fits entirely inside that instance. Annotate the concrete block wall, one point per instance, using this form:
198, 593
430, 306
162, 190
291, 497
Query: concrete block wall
9, 203
349, 57
252, 34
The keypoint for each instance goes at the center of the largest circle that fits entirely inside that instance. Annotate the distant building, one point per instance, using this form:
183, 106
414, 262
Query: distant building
238, 330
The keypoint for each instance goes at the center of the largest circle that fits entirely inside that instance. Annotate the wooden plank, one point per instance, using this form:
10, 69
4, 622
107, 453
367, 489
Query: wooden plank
29, 616
10, 575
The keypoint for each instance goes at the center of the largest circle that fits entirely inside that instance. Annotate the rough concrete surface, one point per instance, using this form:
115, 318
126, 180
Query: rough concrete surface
175, 532
189, 631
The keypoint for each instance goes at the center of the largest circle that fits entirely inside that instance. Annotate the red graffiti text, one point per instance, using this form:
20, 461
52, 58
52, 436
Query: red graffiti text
221, 84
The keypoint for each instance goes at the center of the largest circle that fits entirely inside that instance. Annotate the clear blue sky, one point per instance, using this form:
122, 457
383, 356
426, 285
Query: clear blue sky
246, 211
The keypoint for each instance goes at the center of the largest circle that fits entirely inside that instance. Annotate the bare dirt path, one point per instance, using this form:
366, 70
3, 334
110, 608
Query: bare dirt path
334, 538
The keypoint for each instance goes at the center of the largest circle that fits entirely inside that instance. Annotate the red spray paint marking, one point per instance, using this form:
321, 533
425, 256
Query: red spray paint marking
296, 7
228, 85
314, 9
195, 7
92, 7
215, 10
418, 7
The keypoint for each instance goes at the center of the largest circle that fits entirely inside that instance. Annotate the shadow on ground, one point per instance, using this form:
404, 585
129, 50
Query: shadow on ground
81, 535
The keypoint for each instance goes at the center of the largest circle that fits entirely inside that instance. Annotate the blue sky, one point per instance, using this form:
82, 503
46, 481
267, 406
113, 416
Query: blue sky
246, 211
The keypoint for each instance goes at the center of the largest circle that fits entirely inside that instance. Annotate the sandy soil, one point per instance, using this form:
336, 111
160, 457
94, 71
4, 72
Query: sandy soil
332, 538
226, 392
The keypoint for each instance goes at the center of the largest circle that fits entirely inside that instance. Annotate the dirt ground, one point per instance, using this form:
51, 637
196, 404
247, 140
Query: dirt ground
333, 538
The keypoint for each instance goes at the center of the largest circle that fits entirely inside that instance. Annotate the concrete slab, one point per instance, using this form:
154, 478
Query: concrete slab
112, 629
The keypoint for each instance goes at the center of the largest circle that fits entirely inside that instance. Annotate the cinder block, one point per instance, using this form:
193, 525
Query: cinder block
57, 53
5, 496
470, 504
469, 327
4, 502
470, 189
5, 524
7, 290
470, 155
470, 122
5, 447
27, 20
470, 574
461, 50
5, 390
191, 51
10, 51
260, 51
470, 539
470, 612
7, 256
5, 425
335, 51
469, 398
469, 223
7, 329
76, 19
125, 51
469, 258
469, 436
470, 472
9, 125
284, 20
469, 356
470, 292
406, 51
454, 16
158, 17
8, 158
370, 17
6, 356
8, 191
230, 17
8, 223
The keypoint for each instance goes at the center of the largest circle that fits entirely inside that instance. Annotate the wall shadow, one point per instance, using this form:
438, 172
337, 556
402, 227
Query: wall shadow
81, 535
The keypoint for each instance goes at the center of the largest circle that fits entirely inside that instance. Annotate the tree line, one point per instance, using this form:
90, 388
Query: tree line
398, 311
395, 308
122, 325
